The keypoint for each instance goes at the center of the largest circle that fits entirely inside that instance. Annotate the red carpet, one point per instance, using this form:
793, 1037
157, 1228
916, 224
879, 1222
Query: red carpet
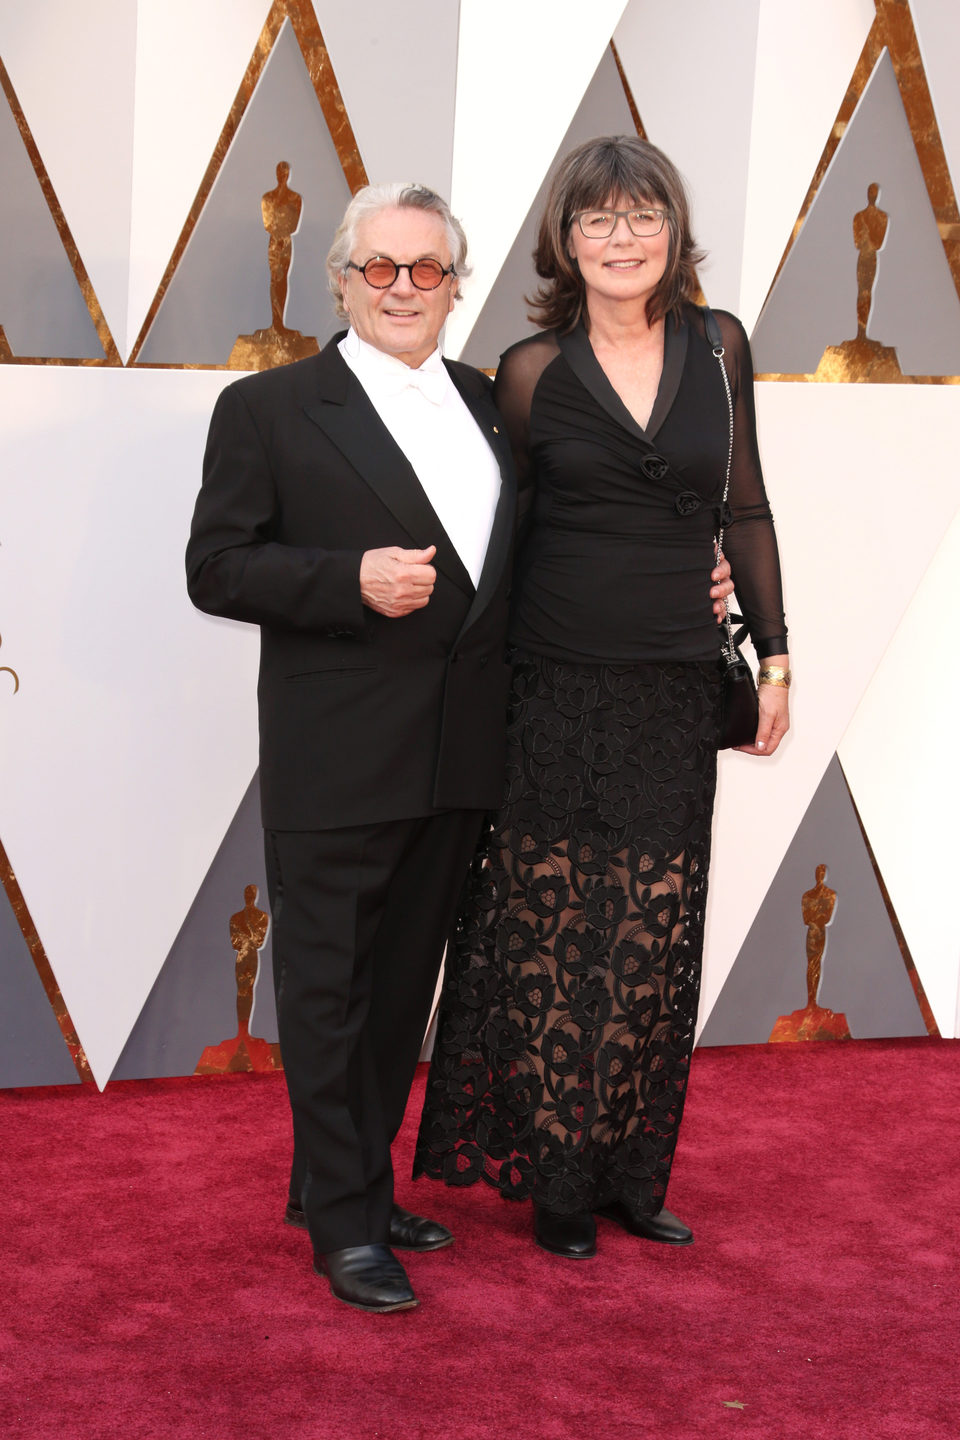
151, 1290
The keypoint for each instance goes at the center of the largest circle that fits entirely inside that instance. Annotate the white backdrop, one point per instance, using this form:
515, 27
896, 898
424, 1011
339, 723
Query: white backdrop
132, 738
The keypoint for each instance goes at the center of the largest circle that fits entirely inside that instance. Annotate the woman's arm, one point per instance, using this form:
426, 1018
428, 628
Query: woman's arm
750, 544
516, 380
773, 696
750, 541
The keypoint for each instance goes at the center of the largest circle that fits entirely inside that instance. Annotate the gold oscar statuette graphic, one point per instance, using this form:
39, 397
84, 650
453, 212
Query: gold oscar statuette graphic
818, 907
862, 358
892, 31
301, 15
244, 1052
281, 209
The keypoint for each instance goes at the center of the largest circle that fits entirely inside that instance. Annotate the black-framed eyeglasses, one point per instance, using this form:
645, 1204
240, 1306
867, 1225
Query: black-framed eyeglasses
381, 272
643, 222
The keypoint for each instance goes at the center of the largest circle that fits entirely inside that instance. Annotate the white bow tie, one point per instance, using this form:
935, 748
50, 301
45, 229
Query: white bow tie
432, 384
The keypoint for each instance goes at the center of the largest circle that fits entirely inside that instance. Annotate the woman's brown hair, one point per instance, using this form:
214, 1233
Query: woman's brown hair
611, 168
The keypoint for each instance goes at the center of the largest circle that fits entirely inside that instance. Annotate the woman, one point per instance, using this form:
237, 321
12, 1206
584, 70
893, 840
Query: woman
571, 995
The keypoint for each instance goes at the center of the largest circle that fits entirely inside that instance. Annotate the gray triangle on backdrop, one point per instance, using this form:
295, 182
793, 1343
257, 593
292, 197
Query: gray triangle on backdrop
403, 127
604, 110
221, 287
42, 309
863, 976
193, 1002
813, 303
32, 1048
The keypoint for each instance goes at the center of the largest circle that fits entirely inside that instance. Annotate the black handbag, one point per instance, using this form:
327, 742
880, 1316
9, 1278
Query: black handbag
740, 709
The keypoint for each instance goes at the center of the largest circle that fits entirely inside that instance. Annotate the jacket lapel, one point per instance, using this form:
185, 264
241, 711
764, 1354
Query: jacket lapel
343, 411
479, 402
675, 336
578, 353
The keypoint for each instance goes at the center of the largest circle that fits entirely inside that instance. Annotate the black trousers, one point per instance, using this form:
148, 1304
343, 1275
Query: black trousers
360, 919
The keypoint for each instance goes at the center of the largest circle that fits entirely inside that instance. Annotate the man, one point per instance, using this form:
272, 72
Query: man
359, 507
366, 526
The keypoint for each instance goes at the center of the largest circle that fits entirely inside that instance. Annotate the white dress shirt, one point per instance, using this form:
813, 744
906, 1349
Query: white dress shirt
424, 413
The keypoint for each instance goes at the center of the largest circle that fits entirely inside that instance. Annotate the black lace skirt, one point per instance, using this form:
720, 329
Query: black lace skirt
571, 989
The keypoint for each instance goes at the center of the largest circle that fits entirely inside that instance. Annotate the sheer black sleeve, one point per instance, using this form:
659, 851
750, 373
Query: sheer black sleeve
750, 541
516, 380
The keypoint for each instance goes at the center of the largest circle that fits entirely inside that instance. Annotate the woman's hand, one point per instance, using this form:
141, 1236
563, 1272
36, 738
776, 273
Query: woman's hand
774, 713
722, 587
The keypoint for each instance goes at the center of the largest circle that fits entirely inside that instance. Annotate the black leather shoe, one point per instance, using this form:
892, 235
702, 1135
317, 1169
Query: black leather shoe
407, 1232
414, 1232
663, 1226
368, 1277
574, 1236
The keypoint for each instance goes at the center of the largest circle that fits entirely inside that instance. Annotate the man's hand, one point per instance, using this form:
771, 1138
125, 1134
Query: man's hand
722, 587
396, 582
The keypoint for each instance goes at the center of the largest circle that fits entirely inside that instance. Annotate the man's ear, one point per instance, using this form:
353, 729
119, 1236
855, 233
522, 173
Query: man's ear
343, 291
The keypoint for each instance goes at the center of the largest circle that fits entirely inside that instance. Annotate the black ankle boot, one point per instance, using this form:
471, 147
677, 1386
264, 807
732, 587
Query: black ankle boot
572, 1235
663, 1227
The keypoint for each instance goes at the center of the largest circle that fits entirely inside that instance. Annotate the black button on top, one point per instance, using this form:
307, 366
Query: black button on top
688, 502
654, 467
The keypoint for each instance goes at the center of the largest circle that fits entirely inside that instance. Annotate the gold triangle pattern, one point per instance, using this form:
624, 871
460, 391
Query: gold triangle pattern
306, 28
929, 1019
699, 298
892, 30
44, 969
634, 112
111, 355
491, 370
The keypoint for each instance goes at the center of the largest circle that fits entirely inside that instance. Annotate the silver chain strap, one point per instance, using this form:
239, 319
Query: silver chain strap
730, 653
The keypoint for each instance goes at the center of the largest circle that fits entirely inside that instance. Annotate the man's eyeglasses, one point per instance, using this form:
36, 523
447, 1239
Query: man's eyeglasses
381, 272
600, 224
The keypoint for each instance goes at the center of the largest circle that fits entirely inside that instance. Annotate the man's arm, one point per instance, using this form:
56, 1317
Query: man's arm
235, 567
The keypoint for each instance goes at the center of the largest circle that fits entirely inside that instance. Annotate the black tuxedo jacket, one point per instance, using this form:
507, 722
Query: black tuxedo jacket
362, 718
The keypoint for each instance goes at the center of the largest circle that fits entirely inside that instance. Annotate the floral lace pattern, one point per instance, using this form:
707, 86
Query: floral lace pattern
570, 997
